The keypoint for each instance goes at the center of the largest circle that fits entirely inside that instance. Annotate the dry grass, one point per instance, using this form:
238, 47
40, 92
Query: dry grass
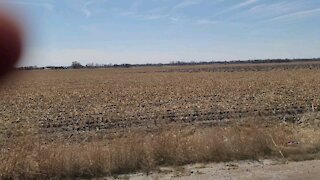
27, 158
42, 105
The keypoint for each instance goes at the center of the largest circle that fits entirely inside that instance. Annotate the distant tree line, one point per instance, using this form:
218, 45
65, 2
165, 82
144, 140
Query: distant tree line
78, 65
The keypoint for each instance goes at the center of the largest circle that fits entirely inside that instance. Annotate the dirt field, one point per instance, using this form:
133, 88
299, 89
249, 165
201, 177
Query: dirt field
62, 123
108, 100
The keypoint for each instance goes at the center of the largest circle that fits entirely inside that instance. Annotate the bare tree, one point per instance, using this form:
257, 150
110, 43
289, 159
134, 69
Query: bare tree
76, 65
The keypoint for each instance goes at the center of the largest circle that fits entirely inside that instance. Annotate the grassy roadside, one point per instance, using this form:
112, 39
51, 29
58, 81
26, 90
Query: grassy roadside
27, 157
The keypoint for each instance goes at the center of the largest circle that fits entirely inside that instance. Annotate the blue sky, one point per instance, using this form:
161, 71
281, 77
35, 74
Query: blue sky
159, 31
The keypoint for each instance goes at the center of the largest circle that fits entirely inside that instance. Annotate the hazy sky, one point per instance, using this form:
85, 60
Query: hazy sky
141, 31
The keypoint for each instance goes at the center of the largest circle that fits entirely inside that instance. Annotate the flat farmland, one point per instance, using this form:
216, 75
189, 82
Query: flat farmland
89, 123
120, 99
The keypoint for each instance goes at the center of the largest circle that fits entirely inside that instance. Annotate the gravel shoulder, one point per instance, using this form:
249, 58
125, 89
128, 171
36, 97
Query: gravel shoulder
258, 170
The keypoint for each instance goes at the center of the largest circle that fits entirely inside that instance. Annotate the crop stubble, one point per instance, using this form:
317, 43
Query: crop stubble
113, 100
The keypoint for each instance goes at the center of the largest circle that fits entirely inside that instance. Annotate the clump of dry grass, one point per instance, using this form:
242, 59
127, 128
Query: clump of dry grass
26, 157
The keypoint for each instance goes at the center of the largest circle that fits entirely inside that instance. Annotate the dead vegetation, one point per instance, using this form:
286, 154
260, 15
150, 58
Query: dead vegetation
115, 100
90, 123
28, 157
